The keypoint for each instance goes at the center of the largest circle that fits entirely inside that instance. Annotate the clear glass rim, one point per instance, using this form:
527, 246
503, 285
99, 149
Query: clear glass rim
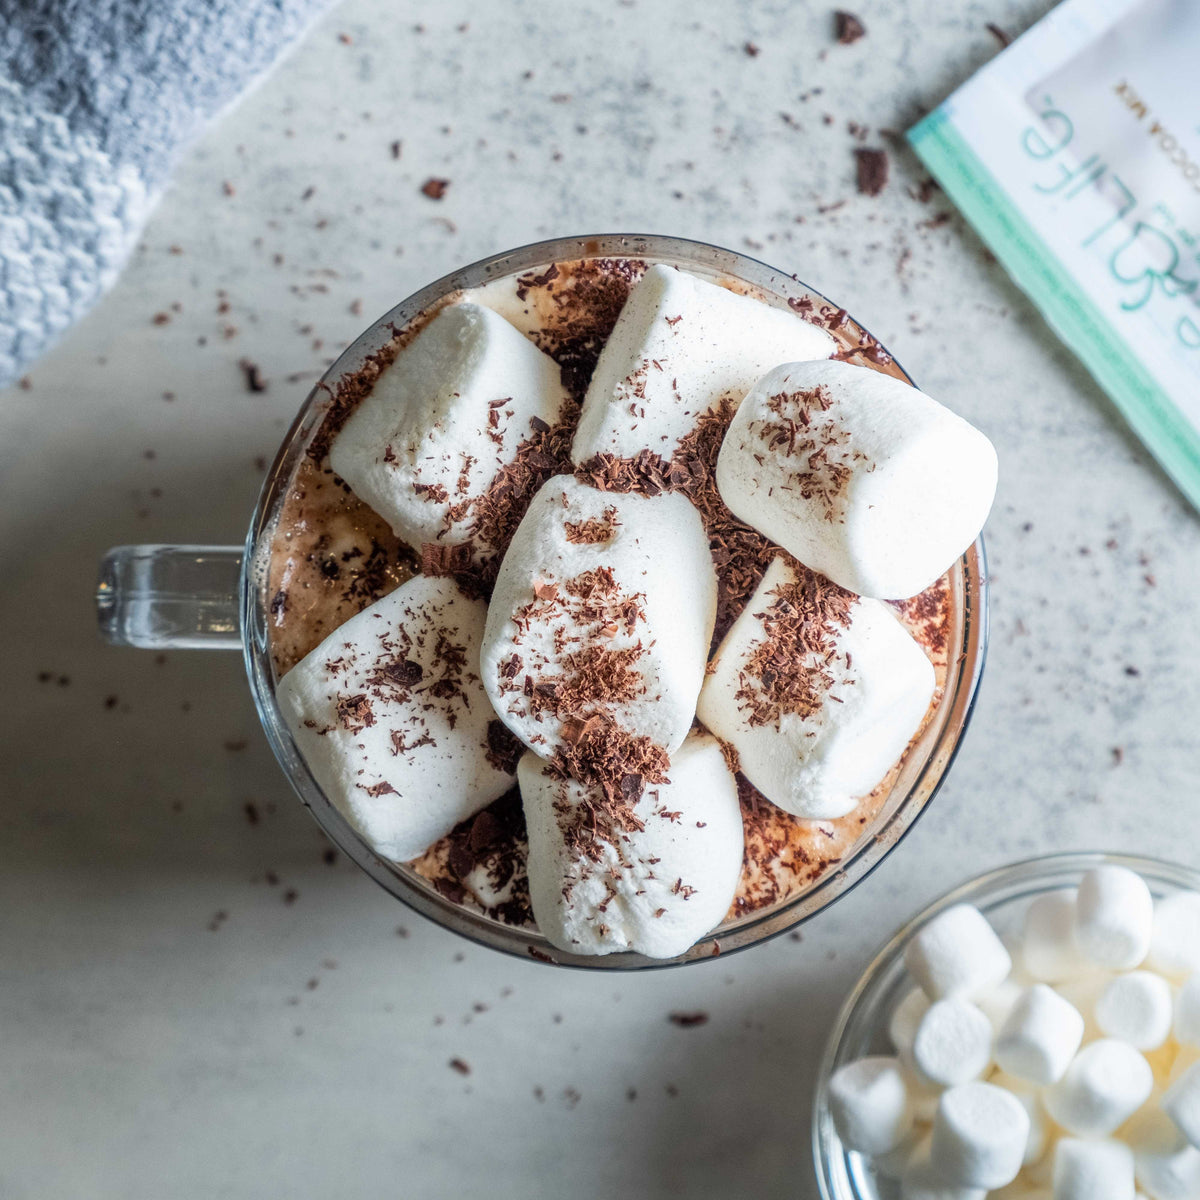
954, 712
1024, 879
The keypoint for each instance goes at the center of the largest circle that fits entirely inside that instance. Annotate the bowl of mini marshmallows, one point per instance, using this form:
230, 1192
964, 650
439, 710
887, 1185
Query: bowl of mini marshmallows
1033, 1035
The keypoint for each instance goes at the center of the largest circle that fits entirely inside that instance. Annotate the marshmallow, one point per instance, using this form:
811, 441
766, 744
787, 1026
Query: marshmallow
1175, 943
906, 1019
679, 347
1093, 1170
450, 412
1048, 948
997, 1002
1137, 1009
1039, 1134
1187, 1012
957, 954
920, 1180
651, 875
819, 692
953, 1043
403, 760
1107, 1082
1165, 1165
1114, 917
1040, 1037
603, 607
858, 475
1083, 992
869, 1102
979, 1136
1182, 1104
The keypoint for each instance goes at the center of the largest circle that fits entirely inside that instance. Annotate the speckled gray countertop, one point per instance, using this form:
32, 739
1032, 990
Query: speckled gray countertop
174, 1023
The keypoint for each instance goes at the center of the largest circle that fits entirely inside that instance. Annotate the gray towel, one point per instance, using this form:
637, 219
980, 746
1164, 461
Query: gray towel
96, 98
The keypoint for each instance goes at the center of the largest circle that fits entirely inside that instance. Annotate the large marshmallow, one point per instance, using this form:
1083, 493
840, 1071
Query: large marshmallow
1093, 1170
979, 1136
391, 718
815, 751
448, 414
1114, 917
957, 954
870, 1106
1182, 1104
861, 477
1048, 949
679, 347
596, 587
953, 1043
1137, 1009
1107, 1082
1175, 943
599, 884
1040, 1037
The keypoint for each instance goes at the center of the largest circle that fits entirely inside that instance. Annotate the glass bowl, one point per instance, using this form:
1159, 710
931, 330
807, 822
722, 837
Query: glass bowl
1002, 896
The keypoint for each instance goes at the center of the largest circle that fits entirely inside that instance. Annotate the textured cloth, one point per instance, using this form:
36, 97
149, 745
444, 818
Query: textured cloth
96, 97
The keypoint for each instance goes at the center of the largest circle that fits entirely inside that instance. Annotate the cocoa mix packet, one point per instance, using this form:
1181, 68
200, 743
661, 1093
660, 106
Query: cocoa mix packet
1076, 156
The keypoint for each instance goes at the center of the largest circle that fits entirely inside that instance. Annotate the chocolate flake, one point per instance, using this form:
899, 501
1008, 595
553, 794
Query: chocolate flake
435, 188
848, 28
871, 170
688, 1020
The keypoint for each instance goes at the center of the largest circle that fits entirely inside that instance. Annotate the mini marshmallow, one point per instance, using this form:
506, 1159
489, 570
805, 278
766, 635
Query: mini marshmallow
957, 954
815, 750
403, 763
603, 607
1182, 1104
858, 475
1107, 1082
979, 1136
1083, 991
906, 1019
920, 1180
442, 420
1039, 1134
1114, 917
1187, 1012
1093, 1170
1175, 943
1048, 949
1040, 1037
1137, 1009
953, 1043
1166, 1166
653, 874
680, 346
997, 1002
869, 1103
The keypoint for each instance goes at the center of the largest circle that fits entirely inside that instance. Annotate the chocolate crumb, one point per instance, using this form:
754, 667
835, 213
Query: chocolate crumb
457, 1064
254, 379
397, 148
1118, 755
110, 702
848, 28
291, 896
228, 188
751, 49
251, 811
998, 34
871, 170
329, 856
435, 189
161, 318
688, 1020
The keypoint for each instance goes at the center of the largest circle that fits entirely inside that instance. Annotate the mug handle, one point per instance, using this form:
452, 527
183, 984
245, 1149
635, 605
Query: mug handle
171, 597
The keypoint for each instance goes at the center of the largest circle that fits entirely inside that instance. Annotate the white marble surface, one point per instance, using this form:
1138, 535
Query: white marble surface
301, 1049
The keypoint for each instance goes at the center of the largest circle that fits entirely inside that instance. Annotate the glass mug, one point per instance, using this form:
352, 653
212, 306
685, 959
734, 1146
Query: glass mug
216, 597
